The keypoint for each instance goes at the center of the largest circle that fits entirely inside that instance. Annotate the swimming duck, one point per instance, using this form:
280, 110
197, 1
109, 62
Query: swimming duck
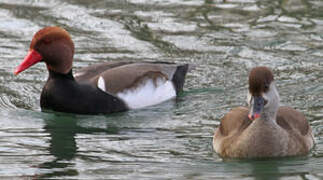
265, 129
101, 88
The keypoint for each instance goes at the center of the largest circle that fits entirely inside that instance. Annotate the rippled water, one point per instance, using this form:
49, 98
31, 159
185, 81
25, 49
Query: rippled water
224, 39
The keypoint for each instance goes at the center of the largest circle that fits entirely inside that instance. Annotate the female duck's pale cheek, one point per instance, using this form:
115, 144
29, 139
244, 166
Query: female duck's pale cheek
267, 99
249, 98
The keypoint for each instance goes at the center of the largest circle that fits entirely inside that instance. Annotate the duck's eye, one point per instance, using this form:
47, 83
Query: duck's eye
266, 87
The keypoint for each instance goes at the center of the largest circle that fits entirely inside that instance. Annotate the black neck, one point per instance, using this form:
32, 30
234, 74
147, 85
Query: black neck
57, 75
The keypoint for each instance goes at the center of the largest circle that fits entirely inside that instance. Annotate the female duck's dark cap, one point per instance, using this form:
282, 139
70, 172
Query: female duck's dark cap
259, 80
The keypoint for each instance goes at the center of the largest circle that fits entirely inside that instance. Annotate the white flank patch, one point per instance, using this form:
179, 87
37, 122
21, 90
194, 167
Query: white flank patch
101, 83
148, 93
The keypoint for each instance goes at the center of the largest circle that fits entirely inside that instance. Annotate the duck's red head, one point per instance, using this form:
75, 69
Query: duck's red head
54, 46
260, 79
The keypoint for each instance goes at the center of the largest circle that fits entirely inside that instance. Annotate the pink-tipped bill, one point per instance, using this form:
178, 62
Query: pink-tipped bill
254, 116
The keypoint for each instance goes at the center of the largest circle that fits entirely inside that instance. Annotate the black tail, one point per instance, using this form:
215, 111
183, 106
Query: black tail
179, 77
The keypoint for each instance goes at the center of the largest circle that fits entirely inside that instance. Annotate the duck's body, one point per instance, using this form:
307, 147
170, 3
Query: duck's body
240, 137
101, 88
274, 132
112, 87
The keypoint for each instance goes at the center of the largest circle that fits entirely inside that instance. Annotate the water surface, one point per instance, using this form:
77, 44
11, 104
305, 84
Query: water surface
173, 140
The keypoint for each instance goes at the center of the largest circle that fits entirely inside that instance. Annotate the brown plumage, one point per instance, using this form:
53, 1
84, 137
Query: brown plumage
259, 80
130, 74
279, 131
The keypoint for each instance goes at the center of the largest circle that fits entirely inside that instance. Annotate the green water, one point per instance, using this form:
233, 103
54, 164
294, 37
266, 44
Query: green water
173, 140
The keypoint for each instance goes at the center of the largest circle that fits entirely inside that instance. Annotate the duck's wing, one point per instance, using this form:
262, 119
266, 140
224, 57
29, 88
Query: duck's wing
235, 120
88, 73
129, 76
295, 123
289, 118
232, 124
139, 84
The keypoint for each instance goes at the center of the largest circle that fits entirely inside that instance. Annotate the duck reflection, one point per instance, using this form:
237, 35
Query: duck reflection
265, 170
276, 168
63, 129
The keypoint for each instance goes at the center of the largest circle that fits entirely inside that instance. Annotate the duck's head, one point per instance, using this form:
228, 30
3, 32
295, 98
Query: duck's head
263, 95
52, 45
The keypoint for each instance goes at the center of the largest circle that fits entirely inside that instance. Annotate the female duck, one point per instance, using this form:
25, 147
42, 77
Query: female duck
265, 129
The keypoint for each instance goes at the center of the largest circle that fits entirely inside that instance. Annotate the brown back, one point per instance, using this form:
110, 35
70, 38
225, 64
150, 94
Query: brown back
289, 118
90, 72
234, 121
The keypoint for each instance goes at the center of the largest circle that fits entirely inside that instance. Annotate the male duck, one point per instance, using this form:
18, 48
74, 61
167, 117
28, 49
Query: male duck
102, 88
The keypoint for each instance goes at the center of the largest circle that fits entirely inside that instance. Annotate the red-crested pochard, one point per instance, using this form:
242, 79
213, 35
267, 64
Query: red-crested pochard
265, 129
102, 88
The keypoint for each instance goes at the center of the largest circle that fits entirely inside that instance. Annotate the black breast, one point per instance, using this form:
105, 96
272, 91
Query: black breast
62, 93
